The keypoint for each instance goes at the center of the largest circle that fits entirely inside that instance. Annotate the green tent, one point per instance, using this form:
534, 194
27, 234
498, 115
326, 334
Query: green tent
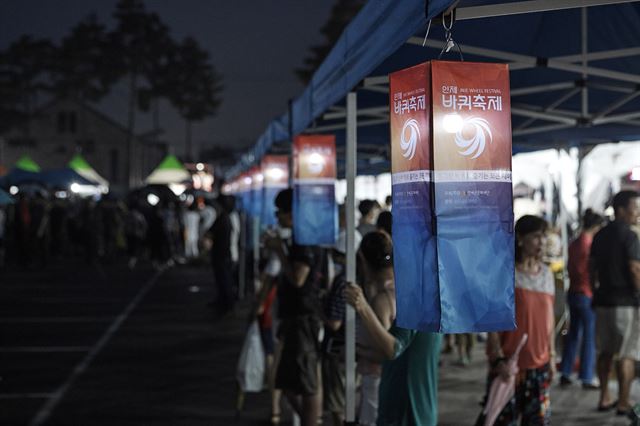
27, 164
80, 166
170, 170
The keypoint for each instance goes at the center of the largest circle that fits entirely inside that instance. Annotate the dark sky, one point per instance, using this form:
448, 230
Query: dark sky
255, 44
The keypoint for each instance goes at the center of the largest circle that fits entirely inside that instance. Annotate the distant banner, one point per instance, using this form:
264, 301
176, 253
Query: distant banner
275, 172
315, 218
244, 192
256, 192
462, 222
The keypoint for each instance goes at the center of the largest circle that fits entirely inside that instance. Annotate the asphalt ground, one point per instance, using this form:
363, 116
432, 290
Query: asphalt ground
85, 344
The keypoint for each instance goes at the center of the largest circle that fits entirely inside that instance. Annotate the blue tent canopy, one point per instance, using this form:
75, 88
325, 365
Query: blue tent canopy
556, 101
58, 178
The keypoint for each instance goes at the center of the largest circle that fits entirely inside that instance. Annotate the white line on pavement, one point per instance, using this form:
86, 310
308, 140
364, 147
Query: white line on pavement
47, 408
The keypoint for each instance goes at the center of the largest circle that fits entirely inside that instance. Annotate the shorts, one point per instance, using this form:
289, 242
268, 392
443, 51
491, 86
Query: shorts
618, 331
333, 382
298, 368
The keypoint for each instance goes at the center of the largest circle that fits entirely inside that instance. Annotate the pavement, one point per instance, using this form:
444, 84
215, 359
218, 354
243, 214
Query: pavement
84, 344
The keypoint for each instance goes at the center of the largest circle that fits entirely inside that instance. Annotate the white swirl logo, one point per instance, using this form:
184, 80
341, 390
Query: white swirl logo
476, 143
409, 146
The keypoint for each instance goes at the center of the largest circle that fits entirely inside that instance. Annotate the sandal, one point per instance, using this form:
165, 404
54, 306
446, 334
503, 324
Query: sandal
275, 419
608, 407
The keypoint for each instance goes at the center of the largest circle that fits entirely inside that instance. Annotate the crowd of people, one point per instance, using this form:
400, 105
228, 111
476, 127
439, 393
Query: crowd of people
42, 227
301, 301
304, 293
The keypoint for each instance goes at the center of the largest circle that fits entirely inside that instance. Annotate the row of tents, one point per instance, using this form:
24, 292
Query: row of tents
80, 176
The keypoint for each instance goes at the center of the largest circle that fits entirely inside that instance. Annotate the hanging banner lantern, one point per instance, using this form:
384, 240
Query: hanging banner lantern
452, 197
275, 172
244, 192
315, 213
256, 192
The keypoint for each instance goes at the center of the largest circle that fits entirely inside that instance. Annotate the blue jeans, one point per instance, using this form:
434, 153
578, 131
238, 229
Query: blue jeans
582, 324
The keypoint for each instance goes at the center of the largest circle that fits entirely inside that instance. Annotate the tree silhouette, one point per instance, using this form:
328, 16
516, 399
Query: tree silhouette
83, 66
194, 85
138, 38
24, 67
341, 14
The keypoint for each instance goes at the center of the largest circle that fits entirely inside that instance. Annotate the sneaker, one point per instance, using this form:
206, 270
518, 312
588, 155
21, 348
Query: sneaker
591, 386
565, 381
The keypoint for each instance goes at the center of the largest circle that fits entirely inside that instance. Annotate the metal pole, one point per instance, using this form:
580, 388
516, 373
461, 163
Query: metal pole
242, 256
585, 92
256, 254
350, 326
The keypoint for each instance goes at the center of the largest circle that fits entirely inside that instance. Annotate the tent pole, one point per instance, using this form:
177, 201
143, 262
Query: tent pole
350, 324
585, 51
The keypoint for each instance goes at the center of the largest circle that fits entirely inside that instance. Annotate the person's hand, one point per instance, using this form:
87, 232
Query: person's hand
502, 370
355, 297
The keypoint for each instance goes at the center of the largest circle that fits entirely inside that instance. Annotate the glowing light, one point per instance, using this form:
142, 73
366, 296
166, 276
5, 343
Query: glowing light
635, 173
61, 194
247, 180
153, 199
316, 163
259, 177
275, 173
13, 190
75, 187
452, 123
200, 167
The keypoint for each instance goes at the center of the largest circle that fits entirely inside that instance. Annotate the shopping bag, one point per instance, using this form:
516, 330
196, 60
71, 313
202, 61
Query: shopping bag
250, 371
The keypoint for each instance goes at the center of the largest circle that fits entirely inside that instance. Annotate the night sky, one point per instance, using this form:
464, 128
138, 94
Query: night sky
254, 44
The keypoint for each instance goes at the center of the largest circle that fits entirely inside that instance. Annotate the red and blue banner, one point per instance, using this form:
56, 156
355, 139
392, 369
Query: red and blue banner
275, 173
315, 213
456, 197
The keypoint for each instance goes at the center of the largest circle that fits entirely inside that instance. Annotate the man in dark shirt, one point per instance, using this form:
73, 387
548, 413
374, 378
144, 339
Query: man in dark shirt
297, 372
615, 276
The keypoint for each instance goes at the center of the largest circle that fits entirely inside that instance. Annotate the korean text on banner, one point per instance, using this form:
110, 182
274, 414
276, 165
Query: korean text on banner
473, 195
452, 196
315, 218
275, 172
416, 276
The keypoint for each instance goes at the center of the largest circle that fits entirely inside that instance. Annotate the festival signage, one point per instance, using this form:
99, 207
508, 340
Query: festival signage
244, 192
255, 209
470, 241
416, 274
275, 172
315, 215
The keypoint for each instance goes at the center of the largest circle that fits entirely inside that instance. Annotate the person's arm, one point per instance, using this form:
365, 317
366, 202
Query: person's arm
552, 340
633, 253
634, 267
593, 273
384, 341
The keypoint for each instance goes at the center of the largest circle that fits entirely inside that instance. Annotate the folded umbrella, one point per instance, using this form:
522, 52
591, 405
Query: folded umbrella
502, 390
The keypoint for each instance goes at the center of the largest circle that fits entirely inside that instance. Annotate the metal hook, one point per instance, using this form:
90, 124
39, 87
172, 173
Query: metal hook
427, 34
449, 42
